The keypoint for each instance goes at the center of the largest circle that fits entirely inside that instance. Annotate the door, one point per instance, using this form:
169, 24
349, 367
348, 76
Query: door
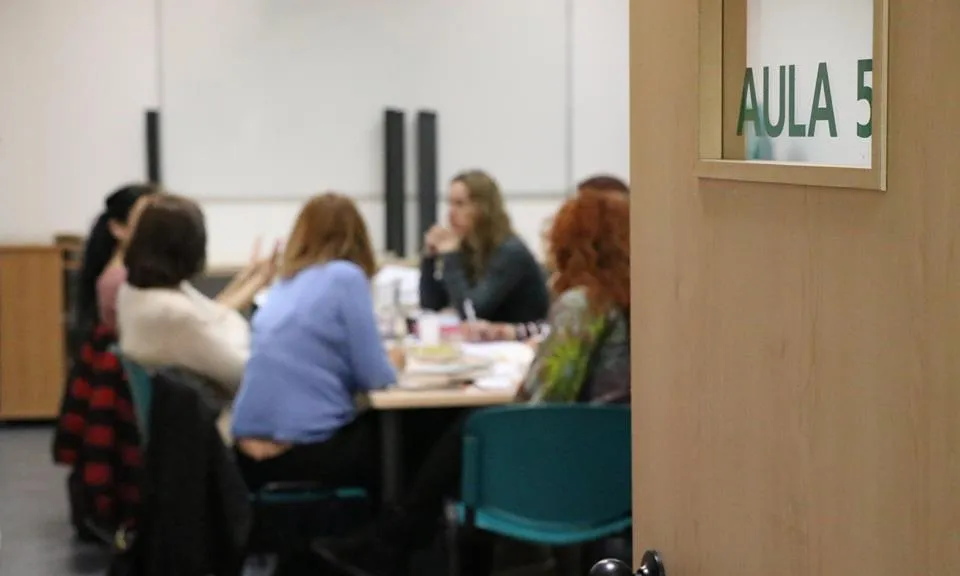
796, 350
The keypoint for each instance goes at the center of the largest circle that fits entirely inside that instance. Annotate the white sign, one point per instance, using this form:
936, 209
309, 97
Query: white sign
807, 89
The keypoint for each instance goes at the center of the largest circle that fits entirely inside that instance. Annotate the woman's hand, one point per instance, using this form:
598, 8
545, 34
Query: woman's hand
265, 270
397, 356
440, 240
255, 276
483, 331
431, 238
534, 343
447, 241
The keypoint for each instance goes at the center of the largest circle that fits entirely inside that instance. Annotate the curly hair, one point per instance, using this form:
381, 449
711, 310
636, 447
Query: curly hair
590, 243
603, 183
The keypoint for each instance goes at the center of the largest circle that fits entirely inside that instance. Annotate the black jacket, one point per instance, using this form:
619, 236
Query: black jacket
512, 289
195, 516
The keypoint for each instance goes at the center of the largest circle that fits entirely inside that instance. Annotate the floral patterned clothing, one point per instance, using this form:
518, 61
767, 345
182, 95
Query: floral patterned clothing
584, 358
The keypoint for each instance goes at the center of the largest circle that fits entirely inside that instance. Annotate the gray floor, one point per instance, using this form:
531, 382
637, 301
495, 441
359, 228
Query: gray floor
36, 536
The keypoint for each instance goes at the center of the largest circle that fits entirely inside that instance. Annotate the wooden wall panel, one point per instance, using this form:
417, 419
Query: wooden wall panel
31, 332
796, 350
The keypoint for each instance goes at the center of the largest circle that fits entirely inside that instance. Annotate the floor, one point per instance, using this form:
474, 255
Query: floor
37, 539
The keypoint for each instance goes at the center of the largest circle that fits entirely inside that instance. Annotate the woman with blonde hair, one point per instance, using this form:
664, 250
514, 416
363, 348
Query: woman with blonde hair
478, 265
316, 344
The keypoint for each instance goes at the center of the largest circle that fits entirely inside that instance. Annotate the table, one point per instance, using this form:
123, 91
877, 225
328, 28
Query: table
390, 402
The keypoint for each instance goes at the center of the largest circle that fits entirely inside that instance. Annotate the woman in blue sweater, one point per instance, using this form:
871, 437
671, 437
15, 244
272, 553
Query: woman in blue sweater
315, 345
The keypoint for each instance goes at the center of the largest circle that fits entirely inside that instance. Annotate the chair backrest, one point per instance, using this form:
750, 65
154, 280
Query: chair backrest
141, 389
562, 463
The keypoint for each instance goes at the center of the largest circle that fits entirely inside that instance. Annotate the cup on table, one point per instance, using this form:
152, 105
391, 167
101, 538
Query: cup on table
429, 329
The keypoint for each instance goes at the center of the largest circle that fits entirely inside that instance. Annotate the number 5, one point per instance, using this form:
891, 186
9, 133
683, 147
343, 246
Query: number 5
865, 92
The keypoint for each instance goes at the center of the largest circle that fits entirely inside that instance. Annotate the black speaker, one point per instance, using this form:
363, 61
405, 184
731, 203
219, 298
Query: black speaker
394, 192
152, 137
426, 172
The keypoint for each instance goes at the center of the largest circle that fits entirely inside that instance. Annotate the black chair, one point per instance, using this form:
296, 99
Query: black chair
286, 516
289, 515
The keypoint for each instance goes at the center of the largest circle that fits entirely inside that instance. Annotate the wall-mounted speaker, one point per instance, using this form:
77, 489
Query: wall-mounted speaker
152, 137
427, 192
394, 181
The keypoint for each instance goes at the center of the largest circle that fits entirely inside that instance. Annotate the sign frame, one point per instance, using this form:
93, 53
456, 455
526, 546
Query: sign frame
723, 56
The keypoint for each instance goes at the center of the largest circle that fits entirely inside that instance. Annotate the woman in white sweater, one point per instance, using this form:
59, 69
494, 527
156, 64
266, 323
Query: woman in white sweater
162, 320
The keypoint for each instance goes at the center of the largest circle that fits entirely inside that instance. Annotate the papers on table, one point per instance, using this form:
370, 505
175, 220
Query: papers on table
511, 360
502, 366
517, 354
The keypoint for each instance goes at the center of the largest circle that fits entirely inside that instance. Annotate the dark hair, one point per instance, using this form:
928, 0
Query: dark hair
603, 183
101, 245
169, 244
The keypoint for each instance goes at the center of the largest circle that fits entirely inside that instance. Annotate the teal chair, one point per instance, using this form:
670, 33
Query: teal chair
554, 475
141, 390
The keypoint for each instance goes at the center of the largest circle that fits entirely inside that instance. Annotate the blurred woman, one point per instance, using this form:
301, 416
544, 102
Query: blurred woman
102, 271
162, 319
585, 358
316, 344
96, 432
536, 331
586, 354
479, 265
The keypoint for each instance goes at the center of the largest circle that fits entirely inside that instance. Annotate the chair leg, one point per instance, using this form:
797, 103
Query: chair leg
452, 532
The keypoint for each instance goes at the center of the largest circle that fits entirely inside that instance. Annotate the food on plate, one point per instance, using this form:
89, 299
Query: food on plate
436, 353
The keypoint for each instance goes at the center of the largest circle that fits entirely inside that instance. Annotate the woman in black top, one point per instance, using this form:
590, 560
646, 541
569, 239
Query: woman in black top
482, 329
479, 260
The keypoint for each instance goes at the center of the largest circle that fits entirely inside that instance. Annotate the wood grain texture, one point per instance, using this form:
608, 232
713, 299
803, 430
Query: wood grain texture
796, 350
31, 332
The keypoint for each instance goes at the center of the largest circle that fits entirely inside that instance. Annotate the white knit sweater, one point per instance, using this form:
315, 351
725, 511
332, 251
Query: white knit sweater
183, 328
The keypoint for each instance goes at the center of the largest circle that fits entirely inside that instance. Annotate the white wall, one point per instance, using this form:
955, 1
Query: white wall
74, 84
75, 78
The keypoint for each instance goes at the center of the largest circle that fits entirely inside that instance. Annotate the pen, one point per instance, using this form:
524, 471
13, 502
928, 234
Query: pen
468, 311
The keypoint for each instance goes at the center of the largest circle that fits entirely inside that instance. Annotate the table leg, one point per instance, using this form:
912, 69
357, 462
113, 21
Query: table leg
392, 449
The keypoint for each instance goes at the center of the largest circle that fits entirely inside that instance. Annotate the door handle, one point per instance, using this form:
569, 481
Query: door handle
650, 565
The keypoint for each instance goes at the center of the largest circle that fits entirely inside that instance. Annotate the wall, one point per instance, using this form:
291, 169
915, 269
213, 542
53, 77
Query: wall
795, 348
75, 79
73, 92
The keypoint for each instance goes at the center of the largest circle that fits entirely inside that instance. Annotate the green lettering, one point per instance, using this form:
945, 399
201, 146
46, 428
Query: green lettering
774, 130
748, 113
795, 130
819, 113
865, 92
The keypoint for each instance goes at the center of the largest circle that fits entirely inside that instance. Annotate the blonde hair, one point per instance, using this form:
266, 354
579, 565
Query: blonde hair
491, 224
329, 227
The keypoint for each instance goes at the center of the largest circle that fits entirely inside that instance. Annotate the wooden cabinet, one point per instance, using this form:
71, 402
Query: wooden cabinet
32, 356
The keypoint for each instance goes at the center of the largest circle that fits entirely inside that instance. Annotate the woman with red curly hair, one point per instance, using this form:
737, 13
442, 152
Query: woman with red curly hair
586, 354
585, 358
